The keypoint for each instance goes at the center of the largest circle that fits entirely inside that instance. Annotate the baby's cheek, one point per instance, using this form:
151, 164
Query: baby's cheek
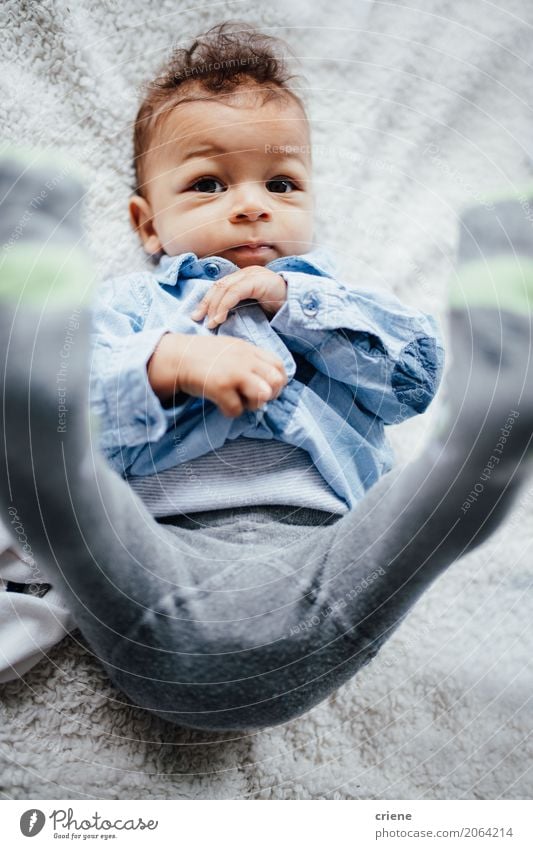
299, 232
196, 236
170, 237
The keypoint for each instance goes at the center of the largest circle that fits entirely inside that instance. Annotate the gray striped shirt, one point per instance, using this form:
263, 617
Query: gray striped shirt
243, 472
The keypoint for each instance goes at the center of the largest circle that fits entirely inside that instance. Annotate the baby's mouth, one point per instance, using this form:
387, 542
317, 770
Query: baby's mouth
259, 248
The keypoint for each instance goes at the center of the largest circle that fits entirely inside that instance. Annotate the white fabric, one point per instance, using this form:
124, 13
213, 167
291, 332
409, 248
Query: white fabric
416, 109
29, 625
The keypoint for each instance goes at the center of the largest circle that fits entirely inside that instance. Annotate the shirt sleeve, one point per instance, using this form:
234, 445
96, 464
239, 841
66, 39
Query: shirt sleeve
391, 356
128, 412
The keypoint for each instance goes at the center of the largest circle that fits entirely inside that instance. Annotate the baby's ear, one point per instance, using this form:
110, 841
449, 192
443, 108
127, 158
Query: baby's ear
141, 219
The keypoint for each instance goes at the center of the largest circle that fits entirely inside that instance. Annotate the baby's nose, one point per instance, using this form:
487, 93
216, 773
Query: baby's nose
249, 214
249, 205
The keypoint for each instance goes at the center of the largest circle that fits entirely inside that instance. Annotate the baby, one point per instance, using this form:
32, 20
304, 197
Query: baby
260, 603
242, 310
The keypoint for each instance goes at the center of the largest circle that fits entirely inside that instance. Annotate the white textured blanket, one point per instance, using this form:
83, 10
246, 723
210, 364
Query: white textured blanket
417, 107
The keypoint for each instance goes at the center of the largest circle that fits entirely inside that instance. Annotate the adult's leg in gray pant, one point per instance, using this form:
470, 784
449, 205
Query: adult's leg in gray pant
228, 652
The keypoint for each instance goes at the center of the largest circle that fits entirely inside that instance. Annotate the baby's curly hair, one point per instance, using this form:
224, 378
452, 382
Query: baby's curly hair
228, 56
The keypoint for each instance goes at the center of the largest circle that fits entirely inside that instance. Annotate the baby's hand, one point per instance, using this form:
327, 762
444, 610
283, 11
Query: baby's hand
236, 375
255, 281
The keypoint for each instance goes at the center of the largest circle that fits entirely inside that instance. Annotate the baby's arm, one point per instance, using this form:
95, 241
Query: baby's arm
128, 411
390, 355
144, 381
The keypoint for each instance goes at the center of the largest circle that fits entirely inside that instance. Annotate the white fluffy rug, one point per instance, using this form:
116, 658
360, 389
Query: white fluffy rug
417, 107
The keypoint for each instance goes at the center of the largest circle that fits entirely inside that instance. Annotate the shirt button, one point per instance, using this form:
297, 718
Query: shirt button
212, 269
310, 303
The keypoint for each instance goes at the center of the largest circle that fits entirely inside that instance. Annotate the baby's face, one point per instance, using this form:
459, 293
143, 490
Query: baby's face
230, 179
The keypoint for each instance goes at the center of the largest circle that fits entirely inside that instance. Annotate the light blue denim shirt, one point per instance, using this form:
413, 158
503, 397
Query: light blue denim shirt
356, 360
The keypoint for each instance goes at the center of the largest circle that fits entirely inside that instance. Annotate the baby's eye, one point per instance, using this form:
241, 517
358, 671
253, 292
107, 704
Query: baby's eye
281, 185
208, 185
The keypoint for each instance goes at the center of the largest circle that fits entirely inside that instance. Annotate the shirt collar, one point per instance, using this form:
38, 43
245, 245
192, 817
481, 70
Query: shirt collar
171, 269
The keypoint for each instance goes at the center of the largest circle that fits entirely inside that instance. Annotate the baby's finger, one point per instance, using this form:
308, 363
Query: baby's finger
232, 404
272, 376
221, 303
256, 390
211, 299
199, 311
216, 293
270, 357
